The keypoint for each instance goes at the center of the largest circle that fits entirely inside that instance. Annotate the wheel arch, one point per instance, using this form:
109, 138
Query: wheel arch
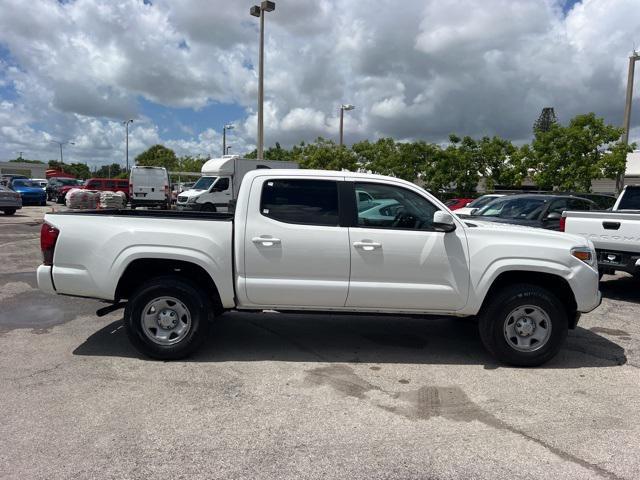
142, 269
555, 284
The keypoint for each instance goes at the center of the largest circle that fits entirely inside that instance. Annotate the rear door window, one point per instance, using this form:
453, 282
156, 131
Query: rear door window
301, 201
630, 199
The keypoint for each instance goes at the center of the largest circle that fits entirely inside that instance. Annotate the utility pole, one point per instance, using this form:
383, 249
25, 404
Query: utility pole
126, 126
259, 11
343, 107
224, 138
627, 112
61, 144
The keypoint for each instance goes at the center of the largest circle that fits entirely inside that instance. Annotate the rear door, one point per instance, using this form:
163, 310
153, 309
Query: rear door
399, 261
149, 183
296, 252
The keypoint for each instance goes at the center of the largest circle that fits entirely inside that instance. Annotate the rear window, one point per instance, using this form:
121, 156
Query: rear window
630, 199
306, 202
155, 174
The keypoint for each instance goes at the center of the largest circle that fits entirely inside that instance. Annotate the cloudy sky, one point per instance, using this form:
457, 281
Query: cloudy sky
415, 69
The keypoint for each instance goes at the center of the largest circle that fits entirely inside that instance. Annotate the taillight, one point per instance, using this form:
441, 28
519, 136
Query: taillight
563, 222
131, 189
48, 238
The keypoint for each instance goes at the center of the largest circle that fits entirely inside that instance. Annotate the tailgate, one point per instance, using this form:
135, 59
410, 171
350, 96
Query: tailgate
607, 231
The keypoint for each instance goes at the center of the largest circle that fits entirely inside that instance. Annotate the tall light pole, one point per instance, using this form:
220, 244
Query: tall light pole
343, 107
224, 137
126, 148
627, 112
61, 144
259, 11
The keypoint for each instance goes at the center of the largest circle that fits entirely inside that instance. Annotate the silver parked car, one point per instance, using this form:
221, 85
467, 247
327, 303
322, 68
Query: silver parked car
10, 201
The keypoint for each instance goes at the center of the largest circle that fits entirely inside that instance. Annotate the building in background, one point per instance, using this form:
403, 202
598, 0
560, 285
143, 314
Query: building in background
31, 170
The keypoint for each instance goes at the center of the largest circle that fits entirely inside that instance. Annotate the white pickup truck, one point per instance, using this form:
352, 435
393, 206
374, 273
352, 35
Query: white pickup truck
299, 240
616, 234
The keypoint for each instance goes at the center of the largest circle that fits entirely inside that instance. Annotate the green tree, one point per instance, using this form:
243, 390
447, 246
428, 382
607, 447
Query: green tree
273, 153
158, 156
500, 163
24, 160
109, 171
324, 155
571, 157
190, 164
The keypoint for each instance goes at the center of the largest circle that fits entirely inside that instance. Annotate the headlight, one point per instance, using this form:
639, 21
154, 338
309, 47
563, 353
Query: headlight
192, 200
587, 255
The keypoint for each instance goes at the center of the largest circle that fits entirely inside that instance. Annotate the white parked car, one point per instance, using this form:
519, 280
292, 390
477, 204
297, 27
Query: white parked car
297, 242
149, 187
478, 203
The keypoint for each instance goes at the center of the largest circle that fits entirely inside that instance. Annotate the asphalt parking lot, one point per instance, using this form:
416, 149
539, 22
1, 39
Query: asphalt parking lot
275, 396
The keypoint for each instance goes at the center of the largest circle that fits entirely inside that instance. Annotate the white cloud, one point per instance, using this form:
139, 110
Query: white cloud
422, 69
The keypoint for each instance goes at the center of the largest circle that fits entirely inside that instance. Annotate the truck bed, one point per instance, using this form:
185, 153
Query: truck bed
187, 215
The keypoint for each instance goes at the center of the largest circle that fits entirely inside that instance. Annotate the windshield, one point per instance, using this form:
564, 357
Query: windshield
630, 200
204, 183
527, 208
481, 201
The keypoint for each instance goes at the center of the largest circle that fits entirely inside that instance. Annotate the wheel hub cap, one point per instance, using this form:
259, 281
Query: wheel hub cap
167, 319
525, 327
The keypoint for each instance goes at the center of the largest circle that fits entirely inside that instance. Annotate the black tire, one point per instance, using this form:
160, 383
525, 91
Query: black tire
60, 199
9, 211
43, 203
208, 207
196, 302
496, 315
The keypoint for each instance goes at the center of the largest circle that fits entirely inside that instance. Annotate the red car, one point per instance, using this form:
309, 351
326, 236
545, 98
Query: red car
99, 184
62, 190
456, 203
108, 185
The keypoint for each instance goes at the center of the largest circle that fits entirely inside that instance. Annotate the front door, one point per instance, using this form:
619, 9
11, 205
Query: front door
296, 254
398, 260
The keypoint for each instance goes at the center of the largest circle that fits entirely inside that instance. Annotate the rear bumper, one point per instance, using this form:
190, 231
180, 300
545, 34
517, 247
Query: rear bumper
10, 204
141, 202
45, 280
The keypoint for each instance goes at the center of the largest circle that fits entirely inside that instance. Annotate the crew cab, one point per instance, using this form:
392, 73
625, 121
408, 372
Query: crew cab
298, 241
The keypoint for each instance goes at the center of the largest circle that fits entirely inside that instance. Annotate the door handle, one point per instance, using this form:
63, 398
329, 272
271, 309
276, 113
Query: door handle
611, 225
266, 241
367, 246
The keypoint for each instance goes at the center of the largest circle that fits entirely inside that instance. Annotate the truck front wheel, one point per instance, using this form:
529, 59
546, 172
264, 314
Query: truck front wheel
167, 318
523, 325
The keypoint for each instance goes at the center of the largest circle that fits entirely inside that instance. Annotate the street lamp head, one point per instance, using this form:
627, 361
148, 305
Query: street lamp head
347, 106
72, 143
268, 6
255, 11
229, 127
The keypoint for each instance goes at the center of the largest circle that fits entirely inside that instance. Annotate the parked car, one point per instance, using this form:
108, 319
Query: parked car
54, 183
108, 185
40, 181
615, 235
149, 187
541, 211
296, 242
6, 178
478, 203
604, 202
10, 201
30, 192
456, 203
62, 190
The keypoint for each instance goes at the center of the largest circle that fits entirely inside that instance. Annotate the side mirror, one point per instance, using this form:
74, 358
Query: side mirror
553, 216
443, 221
474, 211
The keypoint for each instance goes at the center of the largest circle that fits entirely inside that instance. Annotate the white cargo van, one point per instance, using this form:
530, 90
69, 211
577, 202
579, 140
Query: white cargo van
220, 182
149, 187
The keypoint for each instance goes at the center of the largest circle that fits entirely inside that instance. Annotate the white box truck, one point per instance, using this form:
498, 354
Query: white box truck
220, 182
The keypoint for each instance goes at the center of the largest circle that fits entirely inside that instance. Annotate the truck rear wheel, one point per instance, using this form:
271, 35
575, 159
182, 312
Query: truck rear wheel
523, 325
167, 318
